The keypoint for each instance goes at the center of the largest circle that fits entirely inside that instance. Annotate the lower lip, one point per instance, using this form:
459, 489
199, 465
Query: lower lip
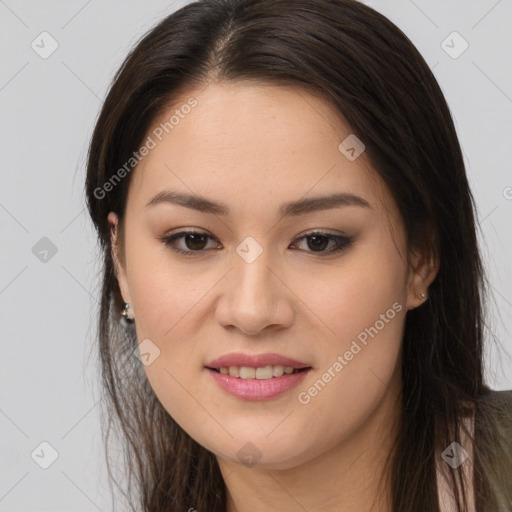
257, 389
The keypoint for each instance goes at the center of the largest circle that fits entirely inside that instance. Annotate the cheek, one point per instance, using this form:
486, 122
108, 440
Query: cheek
362, 317
359, 367
350, 296
163, 292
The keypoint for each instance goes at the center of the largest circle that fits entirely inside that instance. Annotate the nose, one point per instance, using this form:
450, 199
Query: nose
254, 298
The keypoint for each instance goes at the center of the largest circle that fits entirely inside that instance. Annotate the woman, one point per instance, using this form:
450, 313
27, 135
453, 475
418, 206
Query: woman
292, 304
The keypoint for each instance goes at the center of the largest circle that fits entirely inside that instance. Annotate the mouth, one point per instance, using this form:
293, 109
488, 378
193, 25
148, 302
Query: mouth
259, 373
258, 383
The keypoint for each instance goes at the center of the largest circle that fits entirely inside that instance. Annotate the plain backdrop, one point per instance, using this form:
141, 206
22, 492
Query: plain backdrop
49, 260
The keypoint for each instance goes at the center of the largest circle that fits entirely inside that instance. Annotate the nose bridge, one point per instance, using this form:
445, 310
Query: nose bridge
253, 288
253, 298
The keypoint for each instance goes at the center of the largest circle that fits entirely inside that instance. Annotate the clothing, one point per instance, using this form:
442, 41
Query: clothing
446, 498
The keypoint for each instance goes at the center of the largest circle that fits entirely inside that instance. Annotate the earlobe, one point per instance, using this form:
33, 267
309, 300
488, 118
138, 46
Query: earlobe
424, 271
115, 248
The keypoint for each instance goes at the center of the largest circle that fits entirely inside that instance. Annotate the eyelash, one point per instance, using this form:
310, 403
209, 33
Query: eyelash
342, 241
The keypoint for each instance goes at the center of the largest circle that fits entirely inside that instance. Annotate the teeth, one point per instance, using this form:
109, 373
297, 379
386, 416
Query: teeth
262, 373
247, 373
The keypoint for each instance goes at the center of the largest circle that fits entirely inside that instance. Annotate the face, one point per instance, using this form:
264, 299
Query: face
266, 269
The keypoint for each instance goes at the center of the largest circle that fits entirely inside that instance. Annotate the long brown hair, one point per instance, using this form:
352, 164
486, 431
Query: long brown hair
372, 74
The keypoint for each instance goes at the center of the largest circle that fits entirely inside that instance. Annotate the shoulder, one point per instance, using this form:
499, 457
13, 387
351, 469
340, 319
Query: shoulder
492, 421
499, 401
493, 432
504, 396
493, 443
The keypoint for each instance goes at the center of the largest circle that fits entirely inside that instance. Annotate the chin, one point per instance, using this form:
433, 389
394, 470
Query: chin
264, 455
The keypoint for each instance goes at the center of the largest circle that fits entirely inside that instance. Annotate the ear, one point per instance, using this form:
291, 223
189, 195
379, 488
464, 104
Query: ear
117, 257
424, 269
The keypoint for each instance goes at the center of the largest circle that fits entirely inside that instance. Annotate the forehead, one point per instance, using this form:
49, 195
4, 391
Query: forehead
245, 115
252, 141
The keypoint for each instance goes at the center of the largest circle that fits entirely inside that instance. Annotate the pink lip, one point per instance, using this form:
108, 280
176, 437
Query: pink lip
256, 389
254, 361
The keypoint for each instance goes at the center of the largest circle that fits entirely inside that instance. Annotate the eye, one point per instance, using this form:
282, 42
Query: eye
318, 241
196, 242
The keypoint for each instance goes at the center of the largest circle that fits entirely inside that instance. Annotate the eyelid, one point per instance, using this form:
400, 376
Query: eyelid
322, 231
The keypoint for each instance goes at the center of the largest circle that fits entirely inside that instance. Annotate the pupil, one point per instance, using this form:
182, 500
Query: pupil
195, 237
320, 238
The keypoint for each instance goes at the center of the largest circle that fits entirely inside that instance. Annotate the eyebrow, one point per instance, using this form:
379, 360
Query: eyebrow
299, 207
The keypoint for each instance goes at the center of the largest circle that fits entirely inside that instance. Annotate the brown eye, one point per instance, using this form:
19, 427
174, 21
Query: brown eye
318, 241
193, 242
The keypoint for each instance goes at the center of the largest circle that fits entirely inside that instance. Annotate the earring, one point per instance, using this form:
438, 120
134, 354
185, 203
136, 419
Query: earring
422, 295
126, 312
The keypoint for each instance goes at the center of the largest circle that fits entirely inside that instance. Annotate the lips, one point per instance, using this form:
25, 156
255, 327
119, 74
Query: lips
255, 361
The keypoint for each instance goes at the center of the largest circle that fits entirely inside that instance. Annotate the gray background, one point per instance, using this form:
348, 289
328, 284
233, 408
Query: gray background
49, 389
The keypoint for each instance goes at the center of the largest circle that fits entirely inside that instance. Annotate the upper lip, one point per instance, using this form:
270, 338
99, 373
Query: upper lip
254, 360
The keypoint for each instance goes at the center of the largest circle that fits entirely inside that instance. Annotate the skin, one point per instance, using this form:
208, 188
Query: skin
254, 146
